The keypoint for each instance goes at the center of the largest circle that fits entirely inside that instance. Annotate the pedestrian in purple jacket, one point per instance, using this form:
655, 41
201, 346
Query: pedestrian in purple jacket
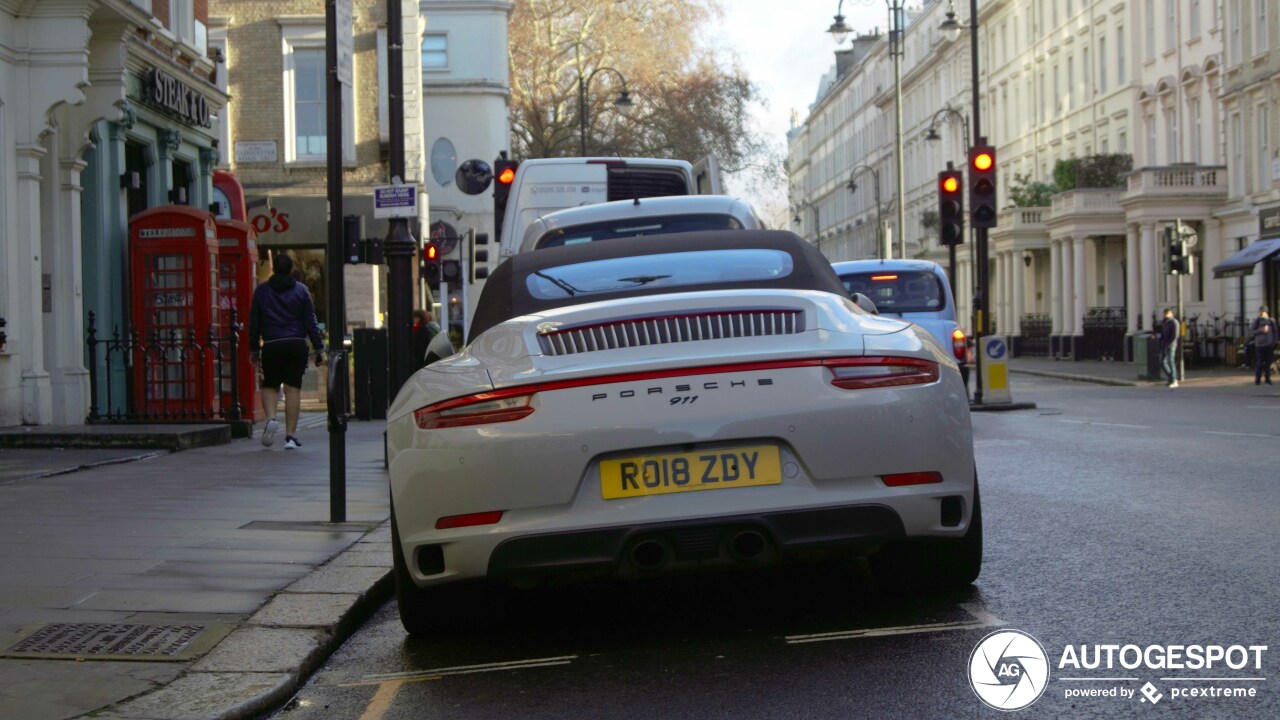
282, 317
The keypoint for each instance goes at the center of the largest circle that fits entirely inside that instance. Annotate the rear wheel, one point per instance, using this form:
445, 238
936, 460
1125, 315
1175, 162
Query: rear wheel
933, 564
440, 610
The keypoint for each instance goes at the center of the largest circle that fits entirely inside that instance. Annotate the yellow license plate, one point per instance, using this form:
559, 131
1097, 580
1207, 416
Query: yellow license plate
686, 472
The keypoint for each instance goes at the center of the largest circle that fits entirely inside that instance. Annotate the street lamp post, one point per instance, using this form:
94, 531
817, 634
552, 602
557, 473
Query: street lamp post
623, 102
949, 112
839, 31
875, 190
951, 28
797, 220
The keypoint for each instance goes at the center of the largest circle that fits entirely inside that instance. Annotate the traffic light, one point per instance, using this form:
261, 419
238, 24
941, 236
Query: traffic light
982, 186
352, 232
430, 270
478, 265
504, 173
451, 271
1180, 262
950, 207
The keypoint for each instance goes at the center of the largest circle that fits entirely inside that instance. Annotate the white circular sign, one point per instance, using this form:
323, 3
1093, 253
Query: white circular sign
1008, 670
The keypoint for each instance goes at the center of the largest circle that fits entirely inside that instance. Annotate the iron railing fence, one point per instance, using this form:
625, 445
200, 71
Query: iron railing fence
172, 376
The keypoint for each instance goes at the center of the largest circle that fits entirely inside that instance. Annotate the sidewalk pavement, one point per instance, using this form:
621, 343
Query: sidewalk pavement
199, 584
1122, 373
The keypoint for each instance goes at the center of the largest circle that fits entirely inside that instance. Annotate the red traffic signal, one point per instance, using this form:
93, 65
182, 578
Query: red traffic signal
950, 207
430, 252
504, 172
982, 186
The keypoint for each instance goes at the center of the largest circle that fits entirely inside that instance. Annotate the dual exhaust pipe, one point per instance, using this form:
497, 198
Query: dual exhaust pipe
744, 546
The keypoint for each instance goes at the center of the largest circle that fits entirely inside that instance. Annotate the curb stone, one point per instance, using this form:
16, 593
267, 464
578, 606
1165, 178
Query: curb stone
1080, 378
261, 664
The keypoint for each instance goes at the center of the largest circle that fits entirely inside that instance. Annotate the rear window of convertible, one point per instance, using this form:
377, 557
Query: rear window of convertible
633, 227
666, 270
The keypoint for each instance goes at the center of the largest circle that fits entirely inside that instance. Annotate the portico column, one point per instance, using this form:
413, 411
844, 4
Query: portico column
26, 325
1055, 286
1149, 258
1068, 287
1133, 305
1006, 306
64, 329
1078, 262
1019, 289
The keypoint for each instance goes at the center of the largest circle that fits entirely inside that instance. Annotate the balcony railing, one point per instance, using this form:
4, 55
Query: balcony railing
1195, 180
1027, 218
1088, 201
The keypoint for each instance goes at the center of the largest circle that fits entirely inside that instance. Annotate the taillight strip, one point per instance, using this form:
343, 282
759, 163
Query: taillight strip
929, 368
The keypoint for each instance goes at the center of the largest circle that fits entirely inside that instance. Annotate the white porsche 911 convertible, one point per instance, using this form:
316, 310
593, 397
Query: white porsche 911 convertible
676, 404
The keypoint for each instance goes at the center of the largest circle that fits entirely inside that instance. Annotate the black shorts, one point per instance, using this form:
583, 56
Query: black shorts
284, 361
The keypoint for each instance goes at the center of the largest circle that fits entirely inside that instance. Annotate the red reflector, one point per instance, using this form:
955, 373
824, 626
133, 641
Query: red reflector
904, 479
470, 520
884, 277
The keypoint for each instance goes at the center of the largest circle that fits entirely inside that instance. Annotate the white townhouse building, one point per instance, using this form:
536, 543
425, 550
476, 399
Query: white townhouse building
107, 108
1131, 84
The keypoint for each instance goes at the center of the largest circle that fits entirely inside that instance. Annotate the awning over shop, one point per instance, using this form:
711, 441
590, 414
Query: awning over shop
1241, 264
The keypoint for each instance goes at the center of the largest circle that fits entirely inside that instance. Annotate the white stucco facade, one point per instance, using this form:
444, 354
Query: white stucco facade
466, 96
1193, 102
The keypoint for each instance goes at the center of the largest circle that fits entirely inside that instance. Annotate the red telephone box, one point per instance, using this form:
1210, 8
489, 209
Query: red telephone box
173, 277
237, 278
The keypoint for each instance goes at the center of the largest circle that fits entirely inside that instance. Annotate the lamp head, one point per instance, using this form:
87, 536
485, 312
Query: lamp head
623, 103
932, 134
839, 30
950, 27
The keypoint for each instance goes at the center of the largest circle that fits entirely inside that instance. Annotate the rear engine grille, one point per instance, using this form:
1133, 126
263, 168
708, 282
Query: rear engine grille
670, 329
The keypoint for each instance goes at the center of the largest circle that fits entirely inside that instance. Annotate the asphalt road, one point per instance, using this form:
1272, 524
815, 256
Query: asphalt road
1126, 516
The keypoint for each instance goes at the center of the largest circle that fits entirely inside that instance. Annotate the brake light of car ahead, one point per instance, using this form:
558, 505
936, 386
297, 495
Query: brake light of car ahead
880, 372
958, 345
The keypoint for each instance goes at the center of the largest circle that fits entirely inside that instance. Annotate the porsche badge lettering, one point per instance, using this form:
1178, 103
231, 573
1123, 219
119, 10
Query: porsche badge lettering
683, 388
685, 472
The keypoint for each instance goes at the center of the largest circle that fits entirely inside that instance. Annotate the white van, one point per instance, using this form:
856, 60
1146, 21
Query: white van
544, 185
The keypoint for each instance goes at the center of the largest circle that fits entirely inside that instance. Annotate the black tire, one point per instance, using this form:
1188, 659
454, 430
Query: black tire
444, 609
932, 564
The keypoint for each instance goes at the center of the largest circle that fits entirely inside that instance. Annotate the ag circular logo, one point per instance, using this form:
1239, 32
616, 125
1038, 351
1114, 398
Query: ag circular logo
1008, 670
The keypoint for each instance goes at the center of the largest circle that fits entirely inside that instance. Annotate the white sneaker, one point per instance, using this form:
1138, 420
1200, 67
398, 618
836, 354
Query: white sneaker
1173, 384
291, 443
269, 433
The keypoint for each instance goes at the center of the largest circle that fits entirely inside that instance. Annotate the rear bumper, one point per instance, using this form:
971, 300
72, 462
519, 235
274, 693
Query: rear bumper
752, 539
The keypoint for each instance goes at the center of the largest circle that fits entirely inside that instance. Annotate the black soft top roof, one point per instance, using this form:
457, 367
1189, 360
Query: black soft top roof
506, 293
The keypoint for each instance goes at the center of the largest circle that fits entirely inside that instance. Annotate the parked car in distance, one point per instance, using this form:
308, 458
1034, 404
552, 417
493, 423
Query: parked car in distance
633, 218
674, 404
914, 290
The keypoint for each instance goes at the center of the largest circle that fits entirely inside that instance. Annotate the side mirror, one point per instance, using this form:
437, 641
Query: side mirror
864, 302
439, 347
473, 176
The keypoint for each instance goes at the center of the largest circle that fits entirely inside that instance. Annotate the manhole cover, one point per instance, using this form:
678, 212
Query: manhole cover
117, 641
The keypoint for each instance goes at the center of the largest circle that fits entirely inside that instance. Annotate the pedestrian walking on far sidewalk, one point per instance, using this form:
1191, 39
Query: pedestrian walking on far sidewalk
1170, 331
1263, 334
282, 317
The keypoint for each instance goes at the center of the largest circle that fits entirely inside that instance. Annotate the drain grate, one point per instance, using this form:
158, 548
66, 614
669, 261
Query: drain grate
114, 641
